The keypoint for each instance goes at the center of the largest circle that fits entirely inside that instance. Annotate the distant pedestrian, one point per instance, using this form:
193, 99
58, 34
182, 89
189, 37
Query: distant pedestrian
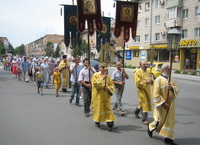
187, 63
40, 80
14, 67
19, 70
46, 71
25, 68
57, 80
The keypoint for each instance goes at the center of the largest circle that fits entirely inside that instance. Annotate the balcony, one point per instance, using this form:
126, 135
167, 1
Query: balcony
173, 22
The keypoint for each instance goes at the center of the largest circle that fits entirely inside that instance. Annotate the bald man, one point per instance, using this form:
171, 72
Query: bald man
143, 82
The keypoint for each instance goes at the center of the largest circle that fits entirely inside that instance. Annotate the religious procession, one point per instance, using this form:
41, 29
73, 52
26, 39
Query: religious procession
96, 86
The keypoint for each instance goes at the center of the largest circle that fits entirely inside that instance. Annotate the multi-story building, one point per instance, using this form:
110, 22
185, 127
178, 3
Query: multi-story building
37, 47
155, 19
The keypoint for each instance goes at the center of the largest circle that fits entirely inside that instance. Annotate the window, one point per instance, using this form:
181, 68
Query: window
172, 13
139, 8
157, 3
184, 33
157, 36
185, 14
197, 32
138, 23
146, 37
147, 6
135, 53
196, 10
147, 22
157, 19
137, 38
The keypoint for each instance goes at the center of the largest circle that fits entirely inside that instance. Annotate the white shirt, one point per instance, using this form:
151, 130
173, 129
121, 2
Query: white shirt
84, 74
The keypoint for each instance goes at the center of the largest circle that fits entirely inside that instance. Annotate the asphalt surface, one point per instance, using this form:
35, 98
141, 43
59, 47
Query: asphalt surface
27, 118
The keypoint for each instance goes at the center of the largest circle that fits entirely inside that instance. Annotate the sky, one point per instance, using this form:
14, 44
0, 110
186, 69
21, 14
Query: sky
24, 21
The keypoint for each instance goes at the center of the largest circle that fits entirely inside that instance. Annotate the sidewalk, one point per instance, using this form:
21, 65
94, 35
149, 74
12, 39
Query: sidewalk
195, 78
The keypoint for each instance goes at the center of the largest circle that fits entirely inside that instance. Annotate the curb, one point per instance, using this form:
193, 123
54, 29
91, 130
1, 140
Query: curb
195, 78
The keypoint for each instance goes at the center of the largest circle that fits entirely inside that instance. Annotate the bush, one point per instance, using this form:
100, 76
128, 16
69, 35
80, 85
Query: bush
177, 71
193, 73
185, 72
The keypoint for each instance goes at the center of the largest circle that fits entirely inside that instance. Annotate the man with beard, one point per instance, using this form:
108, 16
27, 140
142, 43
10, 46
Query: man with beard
164, 111
143, 82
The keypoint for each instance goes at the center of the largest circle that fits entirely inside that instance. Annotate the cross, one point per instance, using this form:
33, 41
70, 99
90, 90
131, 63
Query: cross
175, 23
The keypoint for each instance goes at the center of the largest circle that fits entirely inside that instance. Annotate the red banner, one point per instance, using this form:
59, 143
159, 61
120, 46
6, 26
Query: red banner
126, 17
90, 11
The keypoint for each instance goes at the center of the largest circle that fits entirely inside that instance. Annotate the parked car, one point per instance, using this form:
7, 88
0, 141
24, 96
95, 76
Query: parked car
156, 69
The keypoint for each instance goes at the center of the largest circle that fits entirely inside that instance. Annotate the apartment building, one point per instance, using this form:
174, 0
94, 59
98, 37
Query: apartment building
37, 47
155, 19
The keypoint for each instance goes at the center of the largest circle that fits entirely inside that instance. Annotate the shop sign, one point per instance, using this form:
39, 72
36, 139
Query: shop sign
188, 42
128, 55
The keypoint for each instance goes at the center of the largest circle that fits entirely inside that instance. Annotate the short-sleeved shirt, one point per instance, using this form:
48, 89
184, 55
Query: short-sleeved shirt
40, 76
117, 76
84, 74
76, 72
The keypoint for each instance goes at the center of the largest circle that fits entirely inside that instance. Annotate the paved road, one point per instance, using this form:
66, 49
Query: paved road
27, 118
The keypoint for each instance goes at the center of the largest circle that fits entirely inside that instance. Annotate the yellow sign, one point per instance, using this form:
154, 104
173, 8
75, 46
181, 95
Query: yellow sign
188, 42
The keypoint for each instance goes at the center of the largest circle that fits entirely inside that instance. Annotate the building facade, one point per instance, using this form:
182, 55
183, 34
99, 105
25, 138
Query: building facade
155, 19
37, 47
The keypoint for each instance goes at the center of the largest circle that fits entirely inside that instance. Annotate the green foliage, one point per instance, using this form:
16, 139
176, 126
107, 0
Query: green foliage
193, 73
49, 49
185, 72
2, 48
177, 71
56, 53
20, 50
79, 51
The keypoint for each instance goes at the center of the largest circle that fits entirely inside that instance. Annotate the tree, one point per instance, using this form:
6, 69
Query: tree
2, 48
49, 49
80, 50
20, 50
56, 53
11, 49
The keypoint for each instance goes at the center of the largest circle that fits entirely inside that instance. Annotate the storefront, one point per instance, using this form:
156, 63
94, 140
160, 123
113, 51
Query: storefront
190, 49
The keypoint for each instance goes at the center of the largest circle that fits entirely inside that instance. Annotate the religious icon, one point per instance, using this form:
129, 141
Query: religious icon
107, 56
126, 14
89, 7
104, 30
73, 20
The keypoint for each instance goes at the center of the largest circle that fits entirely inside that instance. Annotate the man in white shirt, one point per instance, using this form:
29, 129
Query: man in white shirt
85, 79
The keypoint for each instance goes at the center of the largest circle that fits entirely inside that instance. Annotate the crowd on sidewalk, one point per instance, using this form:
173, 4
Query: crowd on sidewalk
97, 87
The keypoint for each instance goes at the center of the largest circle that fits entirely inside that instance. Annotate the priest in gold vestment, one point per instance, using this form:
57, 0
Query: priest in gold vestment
102, 90
64, 70
164, 112
143, 83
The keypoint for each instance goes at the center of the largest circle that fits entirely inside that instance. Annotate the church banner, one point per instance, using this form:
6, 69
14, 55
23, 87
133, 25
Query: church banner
70, 26
126, 17
90, 11
103, 36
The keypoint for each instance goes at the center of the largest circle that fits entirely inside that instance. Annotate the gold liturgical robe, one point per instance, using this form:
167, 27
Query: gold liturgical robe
101, 99
64, 73
165, 118
143, 90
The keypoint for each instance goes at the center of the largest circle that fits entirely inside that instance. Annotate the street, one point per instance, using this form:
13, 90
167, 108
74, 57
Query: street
27, 118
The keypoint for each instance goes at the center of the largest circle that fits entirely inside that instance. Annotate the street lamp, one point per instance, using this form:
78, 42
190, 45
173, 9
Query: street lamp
173, 38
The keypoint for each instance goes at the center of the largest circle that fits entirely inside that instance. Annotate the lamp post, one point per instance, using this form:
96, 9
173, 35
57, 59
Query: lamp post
173, 39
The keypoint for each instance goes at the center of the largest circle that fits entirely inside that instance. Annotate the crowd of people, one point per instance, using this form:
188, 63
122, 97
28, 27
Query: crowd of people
96, 88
